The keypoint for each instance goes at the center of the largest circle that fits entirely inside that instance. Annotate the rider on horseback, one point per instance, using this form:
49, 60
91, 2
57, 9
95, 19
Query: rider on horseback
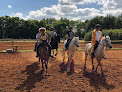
53, 33
96, 37
43, 36
70, 37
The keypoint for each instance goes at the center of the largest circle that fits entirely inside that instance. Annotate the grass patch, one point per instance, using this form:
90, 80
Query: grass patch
4, 51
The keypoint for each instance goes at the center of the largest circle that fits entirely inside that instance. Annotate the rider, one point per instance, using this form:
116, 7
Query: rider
43, 36
53, 33
96, 37
37, 38
70, 37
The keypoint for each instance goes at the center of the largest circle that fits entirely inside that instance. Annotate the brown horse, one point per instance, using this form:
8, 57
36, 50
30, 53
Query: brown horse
44, 54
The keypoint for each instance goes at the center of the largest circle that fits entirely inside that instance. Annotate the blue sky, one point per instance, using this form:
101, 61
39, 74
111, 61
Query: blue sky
72, 9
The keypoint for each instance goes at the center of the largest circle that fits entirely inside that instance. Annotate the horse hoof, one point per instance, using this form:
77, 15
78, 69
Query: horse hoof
102, 74
84, 67
47, 74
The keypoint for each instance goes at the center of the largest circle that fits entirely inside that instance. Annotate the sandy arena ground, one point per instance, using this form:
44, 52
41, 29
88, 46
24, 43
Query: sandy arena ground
21, 72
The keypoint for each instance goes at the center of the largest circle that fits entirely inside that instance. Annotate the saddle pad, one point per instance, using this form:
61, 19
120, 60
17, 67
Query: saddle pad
89, 49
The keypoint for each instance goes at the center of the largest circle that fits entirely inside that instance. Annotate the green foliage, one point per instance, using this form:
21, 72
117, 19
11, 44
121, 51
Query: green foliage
49, 34
115, 34
88, 36
13, 27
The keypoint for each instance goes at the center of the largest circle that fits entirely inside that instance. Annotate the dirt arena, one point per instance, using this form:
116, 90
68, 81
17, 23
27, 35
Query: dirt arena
21, 72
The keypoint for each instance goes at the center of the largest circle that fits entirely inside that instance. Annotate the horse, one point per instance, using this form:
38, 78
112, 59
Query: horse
71, 49
44, 55
54, 43
99, 52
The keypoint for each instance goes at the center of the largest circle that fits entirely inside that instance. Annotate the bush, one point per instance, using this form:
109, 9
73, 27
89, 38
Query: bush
49, 34
88, 36
115, 34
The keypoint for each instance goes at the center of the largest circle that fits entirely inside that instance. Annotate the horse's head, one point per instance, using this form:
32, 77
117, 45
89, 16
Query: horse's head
107, 42
44, 43
76, 41
57, 38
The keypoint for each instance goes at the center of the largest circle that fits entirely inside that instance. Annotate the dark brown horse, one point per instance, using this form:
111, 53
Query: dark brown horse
44, 55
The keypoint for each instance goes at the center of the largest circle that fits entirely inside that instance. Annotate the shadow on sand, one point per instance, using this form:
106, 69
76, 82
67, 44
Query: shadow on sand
97, 80
63, 67
32, 78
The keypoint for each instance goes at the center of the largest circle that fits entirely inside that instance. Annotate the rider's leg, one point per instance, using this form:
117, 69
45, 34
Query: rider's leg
49, 46
35, 47
38, 50
94, 47
66, 45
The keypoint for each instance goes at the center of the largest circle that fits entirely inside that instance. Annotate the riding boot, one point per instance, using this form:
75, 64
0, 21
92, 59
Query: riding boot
92, 55
38, 50
66, 45
35, 46
49, 46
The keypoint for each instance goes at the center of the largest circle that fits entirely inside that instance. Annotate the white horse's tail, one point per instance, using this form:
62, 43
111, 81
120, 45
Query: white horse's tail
84, 57
63, 54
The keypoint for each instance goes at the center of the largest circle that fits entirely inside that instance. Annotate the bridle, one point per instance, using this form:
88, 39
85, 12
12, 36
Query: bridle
106, 43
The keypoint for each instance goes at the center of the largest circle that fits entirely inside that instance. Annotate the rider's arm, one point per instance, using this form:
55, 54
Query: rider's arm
93, 36
101, 36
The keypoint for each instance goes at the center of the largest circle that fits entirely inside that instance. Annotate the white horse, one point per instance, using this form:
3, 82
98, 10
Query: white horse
99, 52
71, 49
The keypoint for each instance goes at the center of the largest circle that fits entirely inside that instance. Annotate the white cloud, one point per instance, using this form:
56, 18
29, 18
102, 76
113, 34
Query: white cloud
9, 6
20, 15
113, 7
69, 9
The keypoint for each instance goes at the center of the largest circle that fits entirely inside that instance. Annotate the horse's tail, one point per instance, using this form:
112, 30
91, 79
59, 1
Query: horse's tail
84, 57
63, 54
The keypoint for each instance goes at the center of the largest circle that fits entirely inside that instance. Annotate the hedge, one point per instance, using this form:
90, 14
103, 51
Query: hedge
115, 34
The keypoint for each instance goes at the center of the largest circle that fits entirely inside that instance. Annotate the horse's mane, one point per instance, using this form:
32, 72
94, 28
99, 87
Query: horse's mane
106, 37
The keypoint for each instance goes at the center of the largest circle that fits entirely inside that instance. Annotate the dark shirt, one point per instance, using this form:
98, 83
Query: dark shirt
70, 34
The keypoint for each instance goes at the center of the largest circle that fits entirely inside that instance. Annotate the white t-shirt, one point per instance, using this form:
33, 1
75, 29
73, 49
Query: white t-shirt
98, 35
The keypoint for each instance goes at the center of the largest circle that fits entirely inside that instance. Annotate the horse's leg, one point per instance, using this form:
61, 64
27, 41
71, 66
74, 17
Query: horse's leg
92, 66
53, 51
85, 57
56, 51
97, 67
101, 68
46, 63
42, 65
39, 60
69, 62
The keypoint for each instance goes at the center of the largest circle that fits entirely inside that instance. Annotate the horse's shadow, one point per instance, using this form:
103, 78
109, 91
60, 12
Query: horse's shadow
97, 80
32, 78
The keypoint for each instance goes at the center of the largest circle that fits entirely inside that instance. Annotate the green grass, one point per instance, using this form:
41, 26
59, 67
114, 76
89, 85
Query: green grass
28, 40
4, 51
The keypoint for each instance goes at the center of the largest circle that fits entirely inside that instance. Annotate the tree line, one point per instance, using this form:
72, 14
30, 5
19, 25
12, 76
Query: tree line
13, 27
